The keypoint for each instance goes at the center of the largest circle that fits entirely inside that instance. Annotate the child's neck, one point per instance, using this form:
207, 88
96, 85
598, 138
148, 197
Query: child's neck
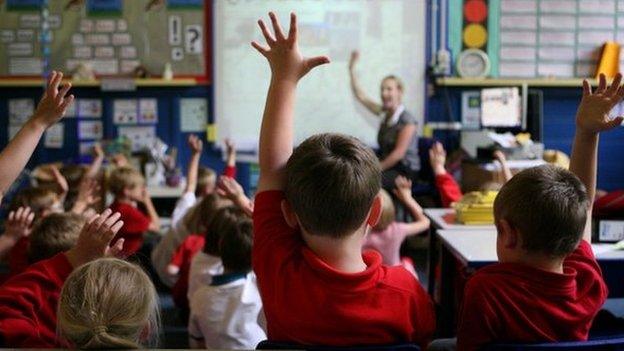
545, 263
344, 254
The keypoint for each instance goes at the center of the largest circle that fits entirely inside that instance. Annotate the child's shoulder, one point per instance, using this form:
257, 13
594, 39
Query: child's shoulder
398, 279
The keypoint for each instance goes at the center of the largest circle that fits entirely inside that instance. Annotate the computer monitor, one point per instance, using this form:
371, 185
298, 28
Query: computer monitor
501, 108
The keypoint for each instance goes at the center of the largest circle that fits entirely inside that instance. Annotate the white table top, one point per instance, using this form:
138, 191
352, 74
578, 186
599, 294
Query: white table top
165, 191
444, 218
478, 248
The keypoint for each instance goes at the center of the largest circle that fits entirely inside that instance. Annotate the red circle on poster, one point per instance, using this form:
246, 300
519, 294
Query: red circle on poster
475, 10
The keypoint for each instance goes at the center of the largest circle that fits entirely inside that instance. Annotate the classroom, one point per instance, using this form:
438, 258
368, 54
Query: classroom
324, 175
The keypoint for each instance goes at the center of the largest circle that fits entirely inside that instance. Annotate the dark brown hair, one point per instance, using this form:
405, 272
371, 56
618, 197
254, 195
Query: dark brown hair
331, 182
548, 205
230, 222
37, 198
56, 233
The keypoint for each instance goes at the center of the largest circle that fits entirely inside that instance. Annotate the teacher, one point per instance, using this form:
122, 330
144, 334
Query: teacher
397, 136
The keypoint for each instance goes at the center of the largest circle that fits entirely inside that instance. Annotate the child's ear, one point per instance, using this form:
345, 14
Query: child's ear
375, 212
508, 234
289, 215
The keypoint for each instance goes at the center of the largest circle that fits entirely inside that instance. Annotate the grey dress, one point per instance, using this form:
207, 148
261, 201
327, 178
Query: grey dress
387, 138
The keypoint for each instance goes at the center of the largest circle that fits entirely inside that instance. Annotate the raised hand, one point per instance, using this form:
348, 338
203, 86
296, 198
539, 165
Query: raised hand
95, 238
59, 179
592, 115
98, 151
19, 223
230, 147
403, 190
228, 187
437, 158
87, 195
355, 56
283, 52
195, 144
54, 102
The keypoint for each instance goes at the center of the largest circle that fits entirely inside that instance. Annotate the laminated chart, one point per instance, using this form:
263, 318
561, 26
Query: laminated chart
544, 38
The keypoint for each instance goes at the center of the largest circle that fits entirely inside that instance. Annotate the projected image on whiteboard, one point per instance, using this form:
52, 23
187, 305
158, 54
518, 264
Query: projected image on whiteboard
389, 34
501, 107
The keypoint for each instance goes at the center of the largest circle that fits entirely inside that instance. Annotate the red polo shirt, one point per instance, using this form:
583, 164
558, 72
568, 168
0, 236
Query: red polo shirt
28, 303
308, 302
510, 302
136, 224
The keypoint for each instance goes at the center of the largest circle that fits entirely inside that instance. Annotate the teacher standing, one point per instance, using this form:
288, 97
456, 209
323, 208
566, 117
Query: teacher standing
397, 136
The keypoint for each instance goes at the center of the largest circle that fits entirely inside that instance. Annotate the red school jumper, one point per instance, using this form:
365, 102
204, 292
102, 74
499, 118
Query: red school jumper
136, 223
28, 303
308, 302
510, 302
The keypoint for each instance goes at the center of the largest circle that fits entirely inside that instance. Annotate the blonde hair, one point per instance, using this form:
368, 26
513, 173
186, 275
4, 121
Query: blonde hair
108, 303
206, 177
124, 177
388, 212
56, 233
396, 79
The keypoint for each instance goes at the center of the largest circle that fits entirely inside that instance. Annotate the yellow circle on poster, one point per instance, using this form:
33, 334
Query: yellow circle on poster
475, 35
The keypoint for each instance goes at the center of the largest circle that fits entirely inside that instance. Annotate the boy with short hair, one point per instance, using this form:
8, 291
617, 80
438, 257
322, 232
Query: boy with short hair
227, 312
548, 286
128, 187
313, 208
56, 233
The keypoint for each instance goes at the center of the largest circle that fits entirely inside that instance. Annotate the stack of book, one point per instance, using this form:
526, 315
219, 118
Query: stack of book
476, 208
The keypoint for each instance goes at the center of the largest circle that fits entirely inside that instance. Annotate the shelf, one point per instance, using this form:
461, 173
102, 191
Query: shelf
149, 82
501, 82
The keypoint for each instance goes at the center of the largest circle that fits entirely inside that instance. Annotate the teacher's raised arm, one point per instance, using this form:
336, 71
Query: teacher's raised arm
397, 135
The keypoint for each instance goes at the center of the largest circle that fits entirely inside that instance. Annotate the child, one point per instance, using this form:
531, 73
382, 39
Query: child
388, 235
548, 286
311, 214
200, 183
206, 263
28, 301
108, 303
128, 187
226, 314
56, 233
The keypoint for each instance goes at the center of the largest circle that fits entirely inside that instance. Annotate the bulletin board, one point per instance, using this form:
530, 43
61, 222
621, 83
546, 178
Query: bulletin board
542, 38
112, 36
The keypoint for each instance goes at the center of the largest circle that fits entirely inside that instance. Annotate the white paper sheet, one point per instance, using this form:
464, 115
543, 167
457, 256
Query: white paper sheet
54, 136
90, 108
25, 66
500, 107
86, 147
148, 111
104, 52
595, 37
83, 52
596, 22
7, 36
125, 111
518, 22
514, 69
121, 39
597, 6
557, 53
128, 52
193, 114
526, 38
90, 130
558, 6
557, 38
20, 110
140, 136
517, 53
557, 22
515, 6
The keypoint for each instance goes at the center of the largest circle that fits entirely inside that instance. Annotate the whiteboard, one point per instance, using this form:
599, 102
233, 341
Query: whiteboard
390, 35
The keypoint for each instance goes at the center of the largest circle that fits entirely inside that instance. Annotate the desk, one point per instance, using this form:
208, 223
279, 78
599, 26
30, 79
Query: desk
475, 249
443, 219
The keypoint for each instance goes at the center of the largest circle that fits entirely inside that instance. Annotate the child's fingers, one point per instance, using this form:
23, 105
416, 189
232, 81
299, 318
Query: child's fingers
115, 228
111, 220
56, 81
18, 214
66, 102
64, 90
587, 90
50, 80
103, 217
614, 85
316, 61
616, 122
263, 50
31, 218
265, 31
11, 216
292, 32
602, 83
277, 27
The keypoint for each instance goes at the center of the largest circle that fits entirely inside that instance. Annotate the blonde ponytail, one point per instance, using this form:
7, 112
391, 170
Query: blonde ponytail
109, 303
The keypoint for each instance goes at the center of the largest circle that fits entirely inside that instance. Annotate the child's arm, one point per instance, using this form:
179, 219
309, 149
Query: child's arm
403, 192
229, 188
151, 211
196, 146
96, 164
360, 95
447, 186
60, 180
592, 117
287, 67
17, 226
230, 164
87, 195
50, 109
500, 157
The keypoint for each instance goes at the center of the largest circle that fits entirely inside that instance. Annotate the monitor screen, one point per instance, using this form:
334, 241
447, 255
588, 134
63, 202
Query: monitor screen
501, 107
